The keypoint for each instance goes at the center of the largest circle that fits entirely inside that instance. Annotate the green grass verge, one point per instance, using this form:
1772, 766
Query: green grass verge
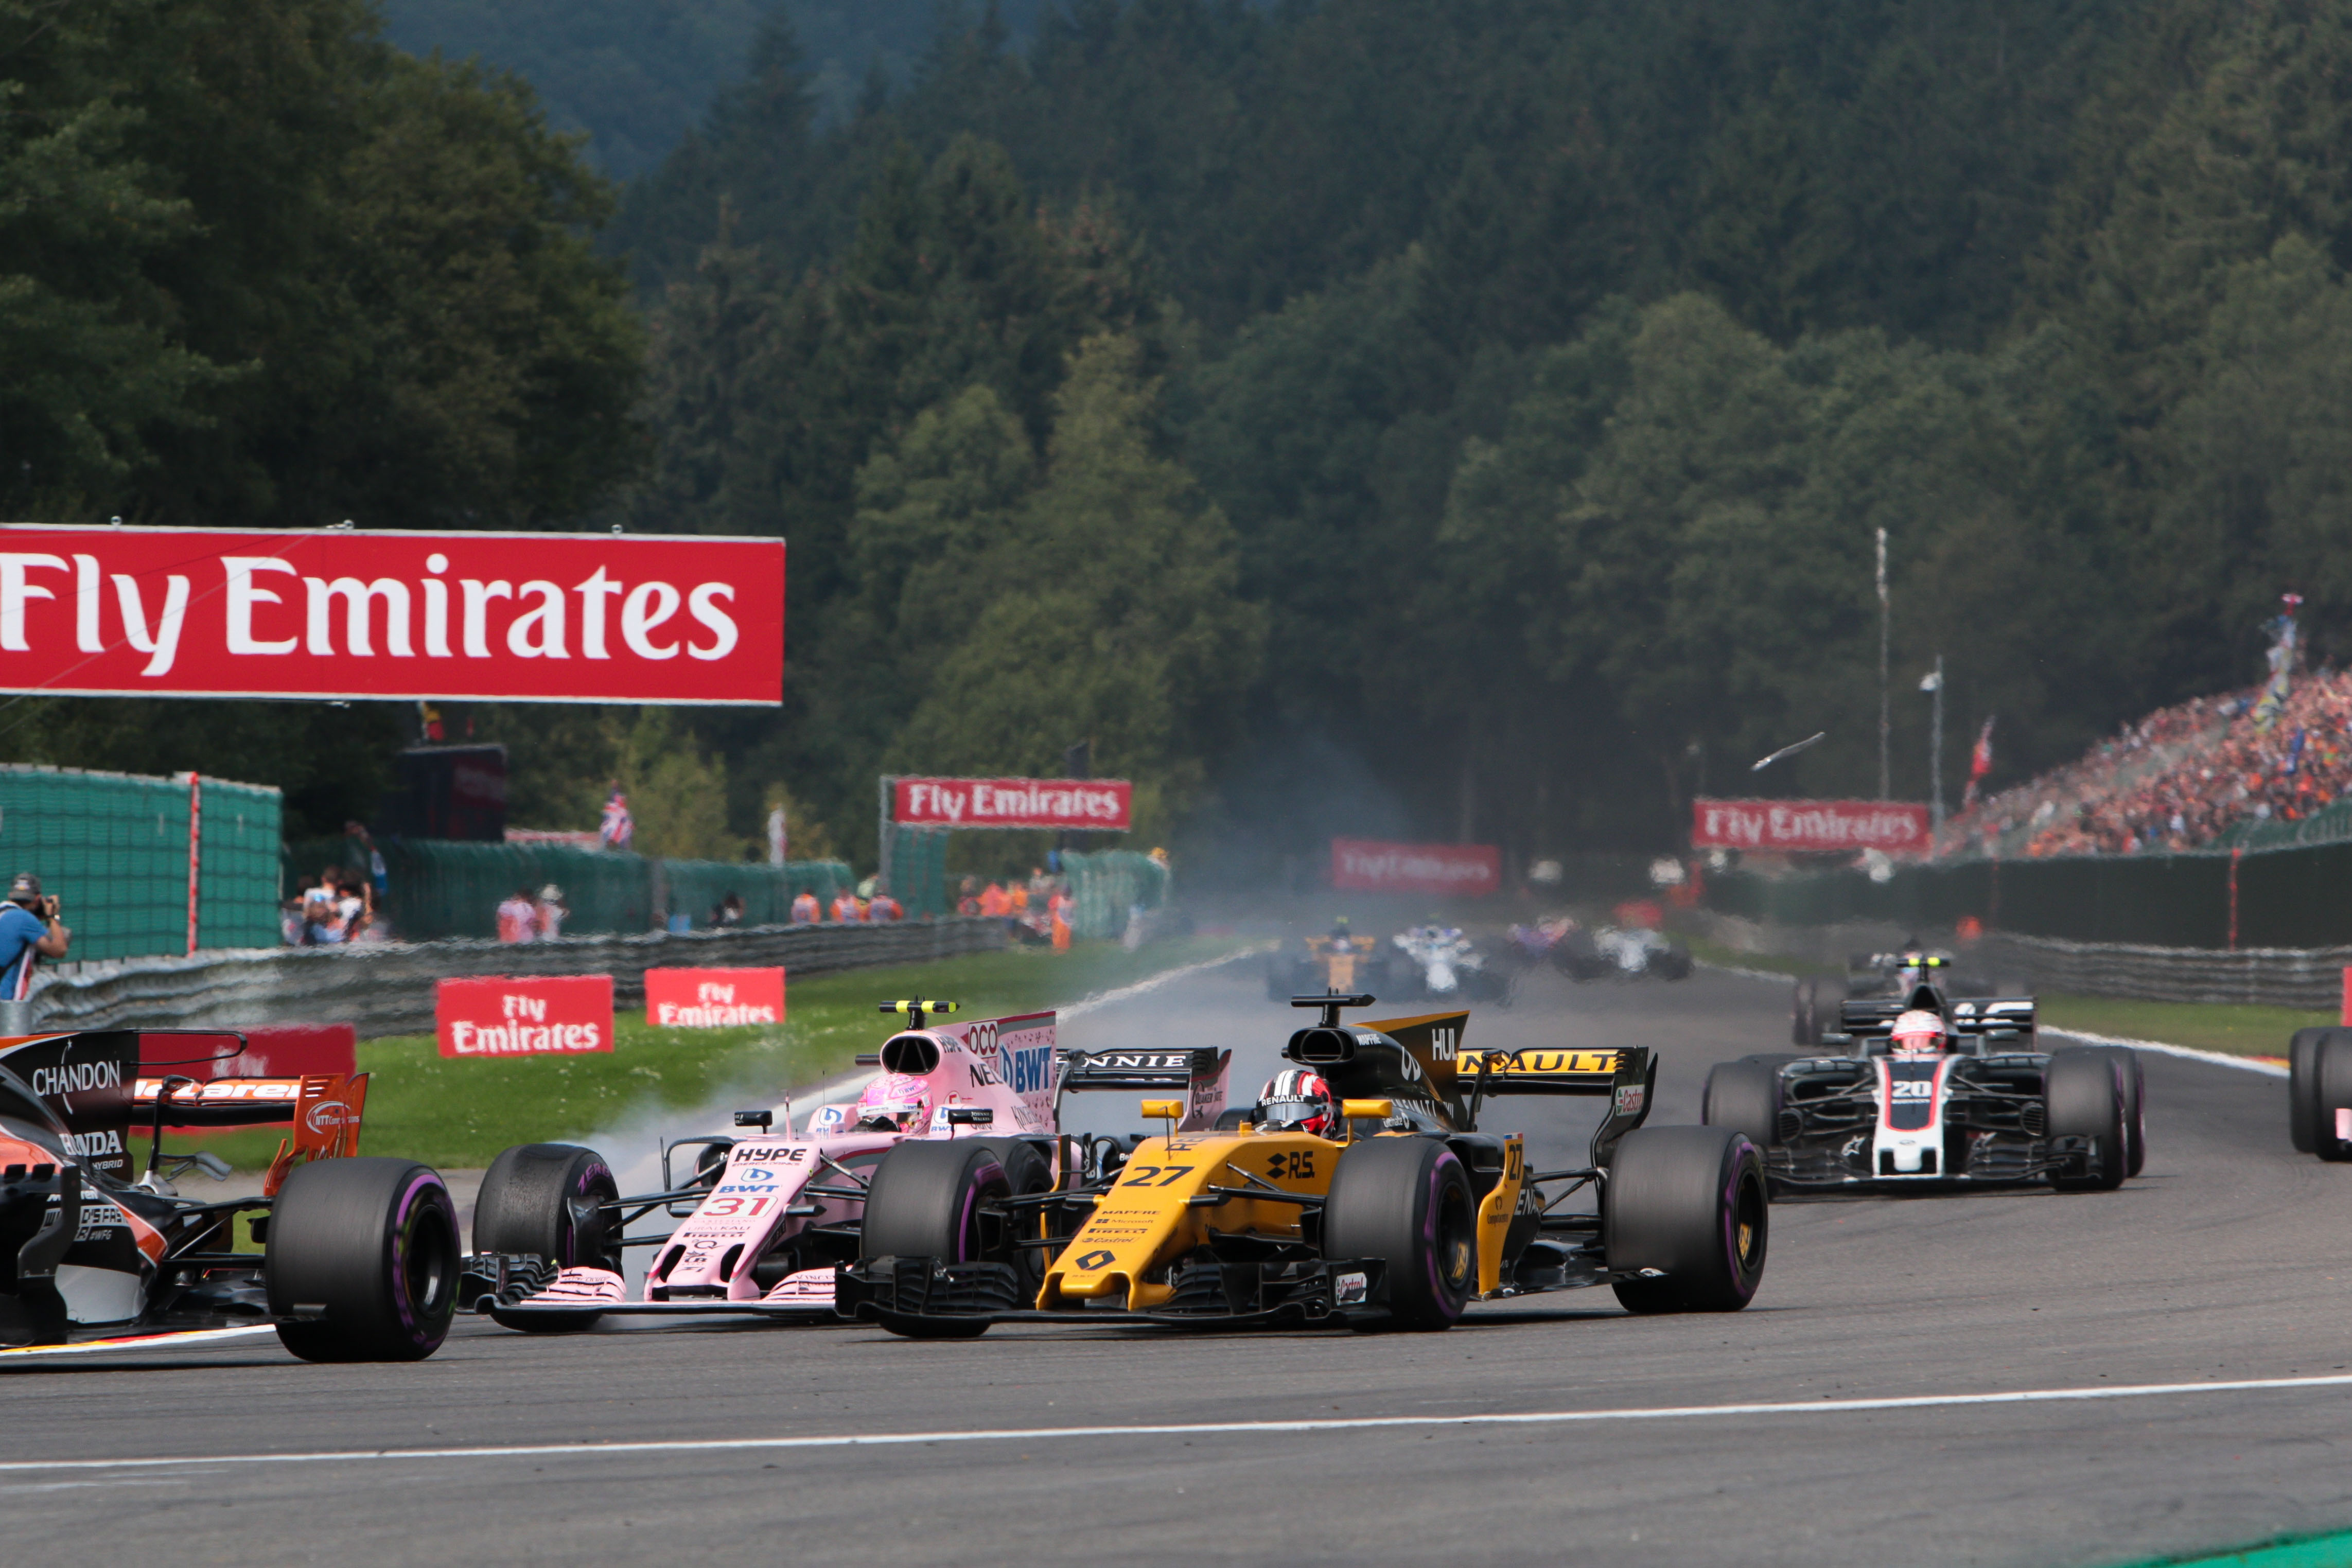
457, 1115
2208, 1026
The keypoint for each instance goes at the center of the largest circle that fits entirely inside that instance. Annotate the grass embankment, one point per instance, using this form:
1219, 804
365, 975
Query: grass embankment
459, 1115
2206, 1026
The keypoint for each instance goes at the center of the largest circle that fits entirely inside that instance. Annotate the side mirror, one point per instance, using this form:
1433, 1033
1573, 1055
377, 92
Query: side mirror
762, 1120
969, 1116
211, 1165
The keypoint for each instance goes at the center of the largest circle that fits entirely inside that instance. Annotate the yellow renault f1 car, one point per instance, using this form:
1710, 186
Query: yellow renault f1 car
1404, 1220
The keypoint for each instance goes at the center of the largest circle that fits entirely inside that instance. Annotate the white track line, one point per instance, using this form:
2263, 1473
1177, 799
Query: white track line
1774, 976
2218, 1058
1194, 1429
1167, 977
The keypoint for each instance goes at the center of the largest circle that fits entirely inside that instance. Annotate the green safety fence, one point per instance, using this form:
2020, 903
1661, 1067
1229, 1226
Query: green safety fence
2289, 897
1106, 885
918, 870
454, 888
113, 847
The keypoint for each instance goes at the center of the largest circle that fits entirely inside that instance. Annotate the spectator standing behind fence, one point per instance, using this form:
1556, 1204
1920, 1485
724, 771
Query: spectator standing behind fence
968, 897
518, 917
884, 909
994, 901
29, 932
550, 912
617, 828
806, 910
846, 911
728, 912
323, 919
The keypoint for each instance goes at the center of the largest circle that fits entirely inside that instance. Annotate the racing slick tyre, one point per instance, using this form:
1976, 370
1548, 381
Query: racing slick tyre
1407, 1201
548, 1200
928, 1198
1689, 1202
2084, 1094
1673, 964
1745, 1096
2332, 1077
2135, 1079
2303, 1089
362, 1257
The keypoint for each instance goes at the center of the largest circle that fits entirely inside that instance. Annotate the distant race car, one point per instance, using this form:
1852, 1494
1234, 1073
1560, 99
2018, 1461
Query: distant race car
1621, 953
1400, 1215
1814, 1006
1340, 961
767, 1216
1970, 1100
1440, 963
358, 1259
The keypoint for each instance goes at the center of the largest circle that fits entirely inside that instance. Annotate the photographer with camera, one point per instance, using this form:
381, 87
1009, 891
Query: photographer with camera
29, 931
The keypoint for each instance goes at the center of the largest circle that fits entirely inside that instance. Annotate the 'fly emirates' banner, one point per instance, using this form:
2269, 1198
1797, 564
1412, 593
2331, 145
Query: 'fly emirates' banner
1808, 825
524, 1016
713, 998
1103, 804
342, 614
1373, 865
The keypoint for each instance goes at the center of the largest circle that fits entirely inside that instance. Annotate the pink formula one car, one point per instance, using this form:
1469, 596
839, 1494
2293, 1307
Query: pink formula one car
768, 1215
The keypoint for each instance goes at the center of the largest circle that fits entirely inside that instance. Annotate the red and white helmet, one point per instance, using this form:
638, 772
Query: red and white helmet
894, 1101
1918, 1033
1298, 1101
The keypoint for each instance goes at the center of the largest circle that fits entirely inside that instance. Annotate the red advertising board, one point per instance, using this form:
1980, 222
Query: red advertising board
1893, 826
343, 613
1370, 865
1104, 804
713, 998
525, 1016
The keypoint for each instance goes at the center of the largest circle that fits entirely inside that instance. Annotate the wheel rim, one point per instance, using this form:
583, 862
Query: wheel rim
1748, 1224
1454, 1255
426, 1262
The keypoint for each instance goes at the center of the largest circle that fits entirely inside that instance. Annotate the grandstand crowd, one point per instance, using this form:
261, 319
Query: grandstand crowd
2181, 779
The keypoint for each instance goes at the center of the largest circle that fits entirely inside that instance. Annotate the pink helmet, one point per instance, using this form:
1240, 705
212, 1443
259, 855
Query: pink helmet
1918, 1033
894, 1101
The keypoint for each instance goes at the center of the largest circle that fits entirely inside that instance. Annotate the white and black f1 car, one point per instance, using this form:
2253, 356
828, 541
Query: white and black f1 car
1984, 1106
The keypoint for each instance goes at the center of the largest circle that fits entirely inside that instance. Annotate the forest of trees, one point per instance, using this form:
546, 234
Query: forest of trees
1432, 416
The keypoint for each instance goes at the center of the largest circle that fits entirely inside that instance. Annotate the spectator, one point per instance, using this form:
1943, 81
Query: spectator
379, 879
846, 911
320, 924
1059, 909
353, 908
993, 901
806, 911
883, 909
518, 917
729, 911
30, 931
618, 829
550, 912
968, 896
290, 921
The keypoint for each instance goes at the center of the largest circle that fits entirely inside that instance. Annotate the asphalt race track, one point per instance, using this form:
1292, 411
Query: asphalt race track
2226, 1264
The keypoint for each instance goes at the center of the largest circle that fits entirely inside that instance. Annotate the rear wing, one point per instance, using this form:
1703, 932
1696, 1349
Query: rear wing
323, 1112
1627, 1075
1199, 1075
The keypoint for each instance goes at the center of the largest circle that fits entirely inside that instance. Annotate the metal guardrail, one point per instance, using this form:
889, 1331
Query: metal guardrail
388, 990
2308, 980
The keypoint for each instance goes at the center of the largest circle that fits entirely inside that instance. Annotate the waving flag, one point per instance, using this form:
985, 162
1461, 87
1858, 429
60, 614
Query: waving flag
1979, 764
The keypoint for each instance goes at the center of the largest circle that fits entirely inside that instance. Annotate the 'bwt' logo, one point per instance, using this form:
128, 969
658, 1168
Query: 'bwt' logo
533, 1009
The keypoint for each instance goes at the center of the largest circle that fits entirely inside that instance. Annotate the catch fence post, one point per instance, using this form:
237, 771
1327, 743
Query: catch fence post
196, 853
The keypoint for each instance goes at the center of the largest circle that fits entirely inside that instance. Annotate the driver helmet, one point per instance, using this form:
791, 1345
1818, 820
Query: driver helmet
1918, 1033
1298, 1101
894, 1102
